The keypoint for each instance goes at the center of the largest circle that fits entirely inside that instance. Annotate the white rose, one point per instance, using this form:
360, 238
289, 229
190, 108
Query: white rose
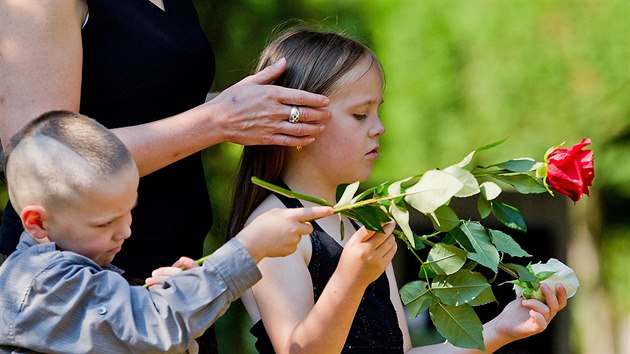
562, 275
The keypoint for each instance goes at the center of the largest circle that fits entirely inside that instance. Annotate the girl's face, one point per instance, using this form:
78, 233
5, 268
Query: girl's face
346, 150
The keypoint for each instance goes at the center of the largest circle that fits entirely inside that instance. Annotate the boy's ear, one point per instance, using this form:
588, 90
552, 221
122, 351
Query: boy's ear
31, 217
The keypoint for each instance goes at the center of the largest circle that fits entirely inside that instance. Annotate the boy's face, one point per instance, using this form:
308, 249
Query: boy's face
97, 221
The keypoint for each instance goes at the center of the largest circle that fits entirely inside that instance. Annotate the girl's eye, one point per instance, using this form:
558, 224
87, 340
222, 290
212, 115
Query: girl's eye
360, 116
104, 225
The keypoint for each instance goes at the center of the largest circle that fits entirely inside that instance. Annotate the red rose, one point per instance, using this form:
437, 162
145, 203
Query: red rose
570, 171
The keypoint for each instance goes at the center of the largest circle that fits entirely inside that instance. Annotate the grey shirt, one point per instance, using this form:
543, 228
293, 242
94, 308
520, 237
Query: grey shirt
61, 302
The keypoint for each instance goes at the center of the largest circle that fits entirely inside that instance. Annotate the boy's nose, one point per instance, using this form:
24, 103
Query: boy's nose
125, 230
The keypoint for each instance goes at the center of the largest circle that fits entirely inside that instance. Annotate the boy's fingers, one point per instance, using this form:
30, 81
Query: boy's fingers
312, 213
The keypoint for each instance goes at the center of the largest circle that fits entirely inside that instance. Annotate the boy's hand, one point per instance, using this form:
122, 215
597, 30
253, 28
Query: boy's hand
159, 276
277, 232
367, 254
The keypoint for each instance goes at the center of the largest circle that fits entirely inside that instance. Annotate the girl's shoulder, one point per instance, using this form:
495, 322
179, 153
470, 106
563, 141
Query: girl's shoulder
271, 202
305, 248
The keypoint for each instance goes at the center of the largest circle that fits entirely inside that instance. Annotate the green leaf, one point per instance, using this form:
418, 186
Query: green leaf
505, 243
484, 206
485, 252
485, 297
458, 324
463, 163
433, 190
287, 193
400, 214
490, 190
491, 145
342, 228
446, 259
444, 219
524, 184
461, 238
426, 272
417, 297
470, 184
524, 274
524, 164
372, 217
459, 288
508, 216
347, 195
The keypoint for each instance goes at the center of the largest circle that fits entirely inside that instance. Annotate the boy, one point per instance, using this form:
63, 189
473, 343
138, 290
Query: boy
74, 185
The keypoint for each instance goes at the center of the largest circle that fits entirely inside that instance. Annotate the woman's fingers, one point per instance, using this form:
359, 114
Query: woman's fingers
268, 74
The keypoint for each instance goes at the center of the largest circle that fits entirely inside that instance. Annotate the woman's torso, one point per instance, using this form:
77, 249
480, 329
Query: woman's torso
140, 64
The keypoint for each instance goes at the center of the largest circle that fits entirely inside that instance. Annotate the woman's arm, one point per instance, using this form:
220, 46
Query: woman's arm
41, 67
40, 60
250, 112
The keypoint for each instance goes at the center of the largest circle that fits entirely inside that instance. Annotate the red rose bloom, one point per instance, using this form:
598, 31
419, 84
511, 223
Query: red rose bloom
570, 171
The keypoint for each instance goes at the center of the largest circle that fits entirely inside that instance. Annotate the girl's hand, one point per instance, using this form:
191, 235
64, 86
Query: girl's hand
159, 276
367, 254
522, 318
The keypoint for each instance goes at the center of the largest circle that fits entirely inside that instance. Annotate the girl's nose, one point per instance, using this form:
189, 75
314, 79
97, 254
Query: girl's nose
377, 129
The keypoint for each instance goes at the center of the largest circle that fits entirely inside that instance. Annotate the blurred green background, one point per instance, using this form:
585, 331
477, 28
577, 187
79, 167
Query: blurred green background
460, 74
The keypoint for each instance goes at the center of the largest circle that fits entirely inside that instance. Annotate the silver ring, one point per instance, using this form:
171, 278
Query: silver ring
294, 116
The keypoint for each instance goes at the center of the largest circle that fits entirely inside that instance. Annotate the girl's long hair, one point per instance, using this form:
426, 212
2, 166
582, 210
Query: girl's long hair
315, 63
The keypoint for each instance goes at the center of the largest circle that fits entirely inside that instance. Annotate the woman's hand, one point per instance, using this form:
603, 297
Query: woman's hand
256, 113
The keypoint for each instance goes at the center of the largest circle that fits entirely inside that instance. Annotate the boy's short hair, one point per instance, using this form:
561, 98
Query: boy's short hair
58, 155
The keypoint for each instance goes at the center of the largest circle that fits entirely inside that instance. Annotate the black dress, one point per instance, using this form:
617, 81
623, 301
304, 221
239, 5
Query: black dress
374, 329
141, 64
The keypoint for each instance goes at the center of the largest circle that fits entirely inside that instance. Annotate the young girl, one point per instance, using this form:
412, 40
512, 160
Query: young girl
335, 295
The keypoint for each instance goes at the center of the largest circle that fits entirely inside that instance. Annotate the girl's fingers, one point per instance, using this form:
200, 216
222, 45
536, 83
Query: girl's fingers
539, 307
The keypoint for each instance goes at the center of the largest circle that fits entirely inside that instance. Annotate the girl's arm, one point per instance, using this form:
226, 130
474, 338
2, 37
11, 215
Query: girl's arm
284, 296
520, 319
398, 306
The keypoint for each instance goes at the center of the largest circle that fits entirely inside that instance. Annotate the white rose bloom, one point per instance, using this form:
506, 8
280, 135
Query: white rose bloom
563, 275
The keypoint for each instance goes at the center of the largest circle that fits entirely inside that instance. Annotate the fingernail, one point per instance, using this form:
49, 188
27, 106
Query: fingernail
279, 63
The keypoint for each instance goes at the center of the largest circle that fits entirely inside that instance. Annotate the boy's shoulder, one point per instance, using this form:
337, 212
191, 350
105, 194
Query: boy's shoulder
40, 265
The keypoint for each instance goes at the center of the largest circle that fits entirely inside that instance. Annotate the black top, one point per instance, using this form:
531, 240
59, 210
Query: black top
375, 327
142, 64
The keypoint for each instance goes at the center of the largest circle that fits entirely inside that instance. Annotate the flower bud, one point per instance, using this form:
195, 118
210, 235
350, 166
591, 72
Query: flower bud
562, 274
570, 171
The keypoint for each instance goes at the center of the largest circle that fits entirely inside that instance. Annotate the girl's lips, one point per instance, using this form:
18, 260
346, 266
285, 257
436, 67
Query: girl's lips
373, 154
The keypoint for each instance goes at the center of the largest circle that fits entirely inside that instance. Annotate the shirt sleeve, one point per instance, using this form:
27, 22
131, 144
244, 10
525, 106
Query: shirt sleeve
73, 308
